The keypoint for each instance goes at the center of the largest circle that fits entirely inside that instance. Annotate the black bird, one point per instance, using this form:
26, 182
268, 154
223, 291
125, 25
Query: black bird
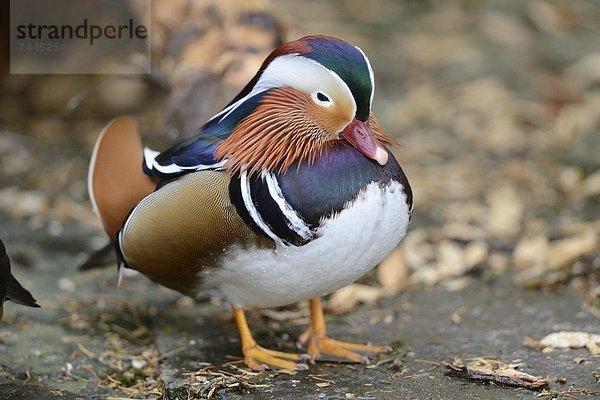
10, 288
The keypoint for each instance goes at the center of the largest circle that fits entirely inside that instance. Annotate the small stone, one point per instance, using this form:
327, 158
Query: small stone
66, 285
138, 363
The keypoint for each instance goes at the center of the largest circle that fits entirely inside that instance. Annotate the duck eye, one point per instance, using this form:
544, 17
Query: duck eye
322, 97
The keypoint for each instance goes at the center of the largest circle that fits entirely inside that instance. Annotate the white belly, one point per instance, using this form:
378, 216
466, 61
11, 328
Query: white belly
349, 245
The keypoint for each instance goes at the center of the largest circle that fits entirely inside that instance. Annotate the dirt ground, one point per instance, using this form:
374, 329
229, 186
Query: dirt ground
496, 105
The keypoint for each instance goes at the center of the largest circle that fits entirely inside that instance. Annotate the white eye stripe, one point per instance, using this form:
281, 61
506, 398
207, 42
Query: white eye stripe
298, 72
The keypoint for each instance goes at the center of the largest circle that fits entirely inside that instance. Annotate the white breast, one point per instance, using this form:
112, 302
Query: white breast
348, 246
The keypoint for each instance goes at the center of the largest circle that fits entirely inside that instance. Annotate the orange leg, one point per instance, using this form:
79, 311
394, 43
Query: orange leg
319, 344
259, 358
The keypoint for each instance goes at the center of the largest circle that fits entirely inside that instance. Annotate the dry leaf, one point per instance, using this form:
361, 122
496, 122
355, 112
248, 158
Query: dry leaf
506, 211
22, 203
564, 252
586, 71
533, 343
590, 185
452, 260
456, 316
457, 284
348, 297
285, 315
462, 231
482, 369
572, 340
531, 252
505, 28
417, 251
392, 272
475, 253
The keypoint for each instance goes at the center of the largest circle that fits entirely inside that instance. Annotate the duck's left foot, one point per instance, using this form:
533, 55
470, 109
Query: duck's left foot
258, 358
319, 344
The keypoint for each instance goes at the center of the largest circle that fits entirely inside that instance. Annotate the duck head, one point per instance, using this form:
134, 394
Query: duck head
308, 95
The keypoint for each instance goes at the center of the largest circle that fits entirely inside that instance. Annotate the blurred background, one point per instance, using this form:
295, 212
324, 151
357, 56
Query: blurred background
496, 105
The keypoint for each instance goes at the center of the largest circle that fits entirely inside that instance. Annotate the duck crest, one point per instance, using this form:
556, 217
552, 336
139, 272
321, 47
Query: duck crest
335, 55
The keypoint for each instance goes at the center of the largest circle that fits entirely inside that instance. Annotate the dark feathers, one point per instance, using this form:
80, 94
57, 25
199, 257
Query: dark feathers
10, 288
100, 258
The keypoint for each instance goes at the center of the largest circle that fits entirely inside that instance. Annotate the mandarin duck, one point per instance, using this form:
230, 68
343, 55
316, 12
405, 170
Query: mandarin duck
287, 194
10, 288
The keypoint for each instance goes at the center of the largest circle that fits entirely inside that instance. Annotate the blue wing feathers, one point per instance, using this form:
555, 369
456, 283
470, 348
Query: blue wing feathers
198, 152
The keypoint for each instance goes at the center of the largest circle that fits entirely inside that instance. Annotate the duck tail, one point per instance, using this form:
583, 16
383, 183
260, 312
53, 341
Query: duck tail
116, 181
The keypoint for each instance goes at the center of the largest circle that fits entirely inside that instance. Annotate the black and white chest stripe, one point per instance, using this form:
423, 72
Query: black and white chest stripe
291, 208
261, 204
